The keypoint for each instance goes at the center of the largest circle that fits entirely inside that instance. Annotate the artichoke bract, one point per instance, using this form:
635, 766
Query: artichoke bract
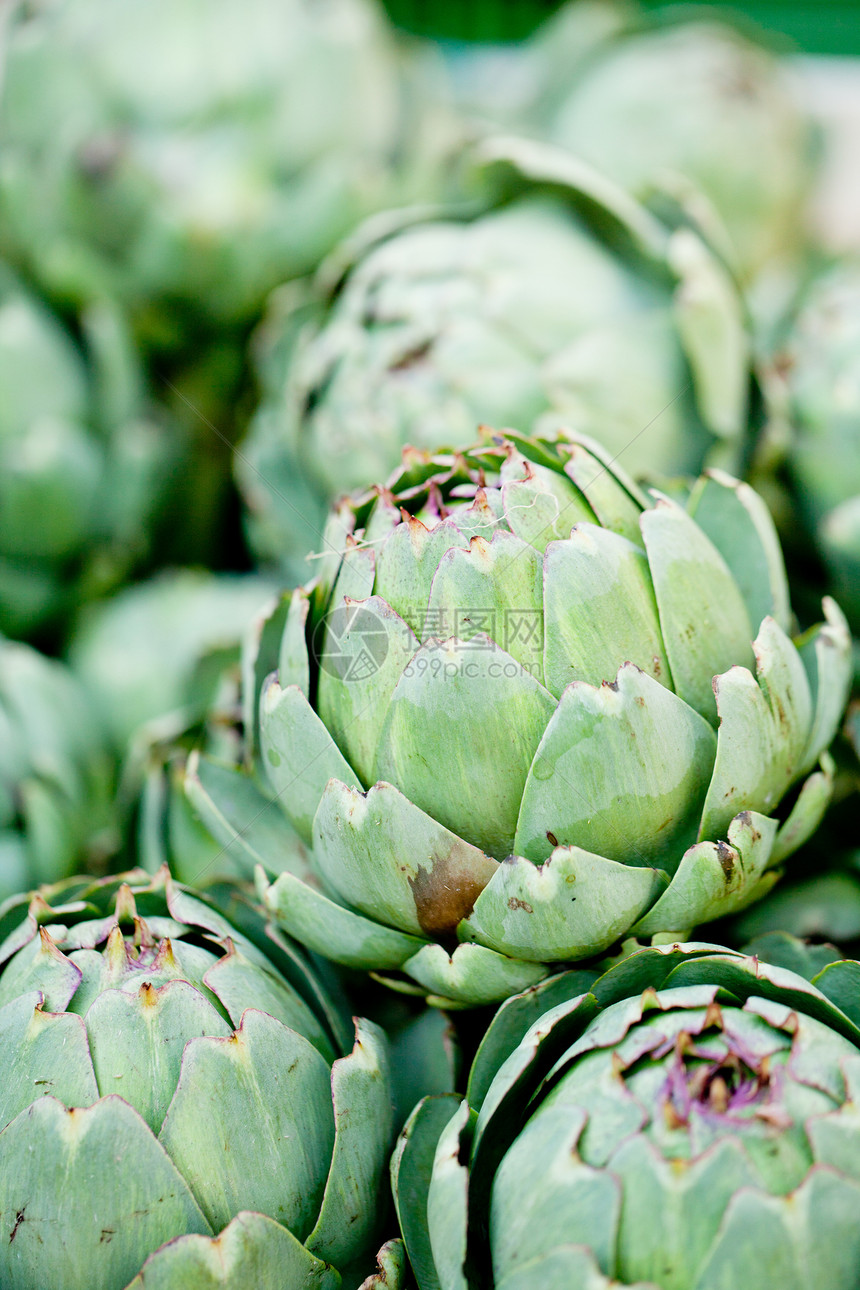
685, 1122
56, 774
819, 368
177, 1108
525, 709
523, 308
83, 464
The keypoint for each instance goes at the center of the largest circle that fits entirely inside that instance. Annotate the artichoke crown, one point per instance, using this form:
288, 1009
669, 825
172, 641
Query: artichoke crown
525, 709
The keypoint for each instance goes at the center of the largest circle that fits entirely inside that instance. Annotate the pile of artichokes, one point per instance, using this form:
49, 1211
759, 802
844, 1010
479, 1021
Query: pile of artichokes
429, 657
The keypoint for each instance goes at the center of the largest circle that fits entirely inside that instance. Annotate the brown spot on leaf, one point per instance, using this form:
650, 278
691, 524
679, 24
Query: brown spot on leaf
727, 857
516, 903
19, 1218
551, 839
412, 357
446, 891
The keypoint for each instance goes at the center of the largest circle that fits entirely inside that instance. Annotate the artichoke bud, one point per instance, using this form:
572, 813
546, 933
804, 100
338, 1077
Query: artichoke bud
212, 1075
539, 712
688, 1119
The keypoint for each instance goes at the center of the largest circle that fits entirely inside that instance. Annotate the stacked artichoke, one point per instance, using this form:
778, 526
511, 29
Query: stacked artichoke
403, 816
517, 311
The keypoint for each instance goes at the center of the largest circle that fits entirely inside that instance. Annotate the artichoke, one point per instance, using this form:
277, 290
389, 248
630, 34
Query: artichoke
685, 1122
82, 468
524, 713
185, 156
694, 105
819, 372
56, 774
177, 1109
521, 309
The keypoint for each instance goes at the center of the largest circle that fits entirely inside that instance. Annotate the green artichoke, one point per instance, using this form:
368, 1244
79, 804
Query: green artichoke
522, 309
82, 468
185, 156
694, 105
176, 1107
687, 1121
819, 370
56, 774
524, 714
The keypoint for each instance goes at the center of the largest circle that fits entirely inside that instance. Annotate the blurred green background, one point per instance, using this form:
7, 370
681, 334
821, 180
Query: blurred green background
828, 27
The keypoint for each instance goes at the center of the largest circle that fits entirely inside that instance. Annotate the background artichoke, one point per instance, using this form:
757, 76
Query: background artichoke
685, 1122
818, 366
175, 1075
529, 660
522, 309
695, 106
57, 774
84, 466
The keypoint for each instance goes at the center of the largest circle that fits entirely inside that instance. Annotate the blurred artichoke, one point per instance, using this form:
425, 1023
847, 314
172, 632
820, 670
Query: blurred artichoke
82, 467
693, 105
553, 300
685, 1122
529, 660
185, 156
177, 1106
56, 774
819, 368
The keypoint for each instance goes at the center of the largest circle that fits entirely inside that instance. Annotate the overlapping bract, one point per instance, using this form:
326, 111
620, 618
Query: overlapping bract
685, 1122
83, 464
173, 1074
56, 774
554, 299
528, 710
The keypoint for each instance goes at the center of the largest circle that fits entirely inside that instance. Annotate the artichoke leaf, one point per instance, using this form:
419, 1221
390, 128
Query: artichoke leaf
448, 1202
52, 1056
251, 1252
299, 754
391, 861
407, 562
242, 819
807, 812
705, 624
293, 661
366, 648
568, 1201
572, 906
238, 983
600, 610
471, 975
737, 521
411, 1167
137, 1041
713, 878
563, 1267
826, 655
808, 1238
615, 499
764, 726
122, 1196
266, 1145
495, 588
328, 928
467, 709
621, 771
41, 966
672, 1240
364, 1127
713, 333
